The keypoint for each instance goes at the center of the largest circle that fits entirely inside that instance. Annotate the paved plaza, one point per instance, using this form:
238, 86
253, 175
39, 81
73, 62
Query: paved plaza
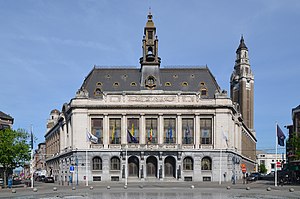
174, 190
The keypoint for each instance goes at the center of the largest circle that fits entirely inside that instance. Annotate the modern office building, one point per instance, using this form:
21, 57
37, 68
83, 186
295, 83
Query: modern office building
155, 123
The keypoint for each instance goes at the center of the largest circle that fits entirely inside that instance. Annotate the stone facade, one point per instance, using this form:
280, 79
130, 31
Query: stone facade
149, 124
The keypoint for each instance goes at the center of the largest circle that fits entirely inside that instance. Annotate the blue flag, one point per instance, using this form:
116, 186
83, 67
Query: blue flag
131, 138
170, 132
280, 136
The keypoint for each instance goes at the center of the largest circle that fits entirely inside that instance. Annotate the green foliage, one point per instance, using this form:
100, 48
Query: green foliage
262, 168
294, 141
14, 148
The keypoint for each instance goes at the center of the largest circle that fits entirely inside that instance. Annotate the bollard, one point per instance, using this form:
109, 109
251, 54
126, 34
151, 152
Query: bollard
269, 189
35, 189
291, 190
108, 187
73, 188
125, 186
91, 187
192, 187
13, 191
54, 188
247, 188
228, 187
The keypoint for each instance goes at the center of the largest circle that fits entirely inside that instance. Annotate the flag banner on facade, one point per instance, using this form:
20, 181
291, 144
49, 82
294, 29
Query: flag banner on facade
151, 134
280, 136
170, 132
91, 138
187, 134
225, 137
131, 138
113, 134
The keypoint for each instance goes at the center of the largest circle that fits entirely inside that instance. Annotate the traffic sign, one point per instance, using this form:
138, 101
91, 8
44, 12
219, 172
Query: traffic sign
72, 169
244, 170
278, 164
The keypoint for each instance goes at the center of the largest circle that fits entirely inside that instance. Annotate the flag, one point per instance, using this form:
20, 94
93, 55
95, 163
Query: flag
113, 134
187, 134
132, 129
31, 140
170, 132
280, 136
151, 134
91, 138
131, 138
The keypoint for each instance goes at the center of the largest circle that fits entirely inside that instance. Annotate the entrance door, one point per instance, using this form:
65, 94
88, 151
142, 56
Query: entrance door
151, 166
133, 166
170, 167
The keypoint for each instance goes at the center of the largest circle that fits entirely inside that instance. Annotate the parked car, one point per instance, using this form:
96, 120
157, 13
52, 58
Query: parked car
49, 180
253, 177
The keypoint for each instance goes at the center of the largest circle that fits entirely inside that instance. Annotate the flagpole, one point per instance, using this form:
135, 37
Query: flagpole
276, 155
86, 168
126, 167
31, 165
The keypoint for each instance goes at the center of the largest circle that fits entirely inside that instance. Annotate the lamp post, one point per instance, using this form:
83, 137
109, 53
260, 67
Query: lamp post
76, 162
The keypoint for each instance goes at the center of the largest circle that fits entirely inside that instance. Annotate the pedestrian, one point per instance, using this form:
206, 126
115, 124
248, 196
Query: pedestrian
247, 178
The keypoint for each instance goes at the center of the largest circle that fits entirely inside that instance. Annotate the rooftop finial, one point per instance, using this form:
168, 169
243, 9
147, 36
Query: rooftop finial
149, 14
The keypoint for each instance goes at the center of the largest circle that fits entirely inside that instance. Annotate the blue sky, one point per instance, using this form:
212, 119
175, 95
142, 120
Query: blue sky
48, 47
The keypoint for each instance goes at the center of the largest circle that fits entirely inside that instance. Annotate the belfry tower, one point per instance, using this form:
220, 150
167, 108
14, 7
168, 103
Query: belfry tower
242, 85
150, 62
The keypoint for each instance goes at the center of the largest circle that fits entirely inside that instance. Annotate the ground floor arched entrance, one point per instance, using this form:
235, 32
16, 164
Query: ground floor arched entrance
133, 166
151, 170
170, 167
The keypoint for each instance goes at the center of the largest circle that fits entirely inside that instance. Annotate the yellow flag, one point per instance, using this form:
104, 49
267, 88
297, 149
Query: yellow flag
132, 129
113, 134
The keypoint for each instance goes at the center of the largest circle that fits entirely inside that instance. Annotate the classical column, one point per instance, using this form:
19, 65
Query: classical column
123, 129
160, 132
197, 132
105, 131
142, 128
179, 129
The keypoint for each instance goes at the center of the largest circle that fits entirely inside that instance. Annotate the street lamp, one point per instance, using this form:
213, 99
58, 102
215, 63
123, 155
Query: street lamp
76, 163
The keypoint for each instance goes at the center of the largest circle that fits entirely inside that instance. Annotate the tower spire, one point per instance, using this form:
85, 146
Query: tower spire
150, 43
242, 84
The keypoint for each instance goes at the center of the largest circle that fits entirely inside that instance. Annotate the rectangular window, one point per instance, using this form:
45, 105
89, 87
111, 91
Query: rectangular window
169, 130
206, 179
188, 131
97, 129
115, 130
188, 178
114, 178
96, 178
206, 130
151, 130
133, 130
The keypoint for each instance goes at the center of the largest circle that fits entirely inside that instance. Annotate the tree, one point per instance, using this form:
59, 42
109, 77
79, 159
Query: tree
262, 168
294, 141
14, 149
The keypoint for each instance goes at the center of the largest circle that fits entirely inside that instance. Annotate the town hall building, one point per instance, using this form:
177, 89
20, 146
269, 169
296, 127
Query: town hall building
155, 123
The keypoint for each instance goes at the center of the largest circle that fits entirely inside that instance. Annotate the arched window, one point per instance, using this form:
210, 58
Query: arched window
114, 163
206, 163
188, 164
97, 163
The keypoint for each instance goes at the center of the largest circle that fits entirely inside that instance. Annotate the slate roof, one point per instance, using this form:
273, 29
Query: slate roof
184, 79
5, 116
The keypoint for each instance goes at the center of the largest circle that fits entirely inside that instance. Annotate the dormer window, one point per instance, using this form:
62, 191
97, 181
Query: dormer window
168, 84
150, 82
184, 84
99, 84
116, 84
203, 92
97, 92
133, 84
